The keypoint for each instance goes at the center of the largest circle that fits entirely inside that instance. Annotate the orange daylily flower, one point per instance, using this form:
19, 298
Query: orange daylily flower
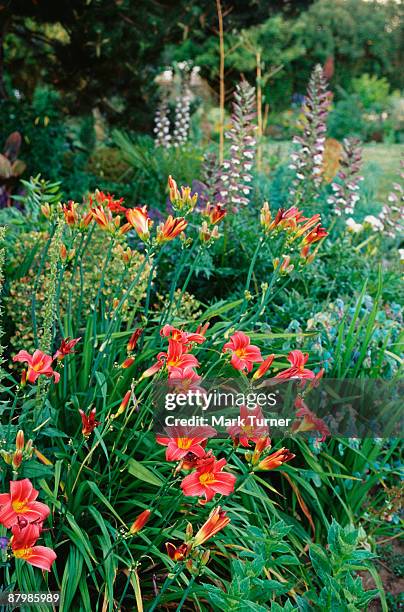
275, 459
216, 522
140, 221
171, 228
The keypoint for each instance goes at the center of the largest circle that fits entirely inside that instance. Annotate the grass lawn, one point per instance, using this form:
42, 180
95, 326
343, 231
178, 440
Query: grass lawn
381, 162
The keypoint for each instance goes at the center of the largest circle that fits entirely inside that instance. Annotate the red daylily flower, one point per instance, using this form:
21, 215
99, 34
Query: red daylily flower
284, 219
244, 354
177, 553
309, 422
186, 338
183, 440
66, 348
23, 547
38, 363
21, 503
316, 234
89, 422
249, 430
176, 357
297, 359
208, 479
184, 380
101, 198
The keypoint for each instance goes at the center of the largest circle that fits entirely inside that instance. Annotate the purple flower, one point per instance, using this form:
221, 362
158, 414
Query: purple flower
3, 543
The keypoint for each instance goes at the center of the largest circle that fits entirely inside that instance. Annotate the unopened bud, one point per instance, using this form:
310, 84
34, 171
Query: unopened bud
205, 557
19, 440
17, 459
189, 531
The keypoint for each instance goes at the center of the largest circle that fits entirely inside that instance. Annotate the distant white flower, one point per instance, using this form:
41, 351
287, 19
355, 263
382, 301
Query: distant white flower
401, 253
353, 226
374, 223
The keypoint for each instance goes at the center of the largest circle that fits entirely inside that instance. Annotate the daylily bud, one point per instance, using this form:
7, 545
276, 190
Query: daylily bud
29, 448
46, 210
123, 404
63, 252
19, 440
134, 339
205, 557
140, 522
17, 459
217, 520
6, 456
189, 531
23, 381
128, 362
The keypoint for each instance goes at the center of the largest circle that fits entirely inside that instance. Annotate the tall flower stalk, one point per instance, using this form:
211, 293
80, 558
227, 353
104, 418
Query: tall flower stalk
392, 214
182, 119
345, 191
308, 159
162, 136
2, 262
162, 125
46, 338
235, 176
